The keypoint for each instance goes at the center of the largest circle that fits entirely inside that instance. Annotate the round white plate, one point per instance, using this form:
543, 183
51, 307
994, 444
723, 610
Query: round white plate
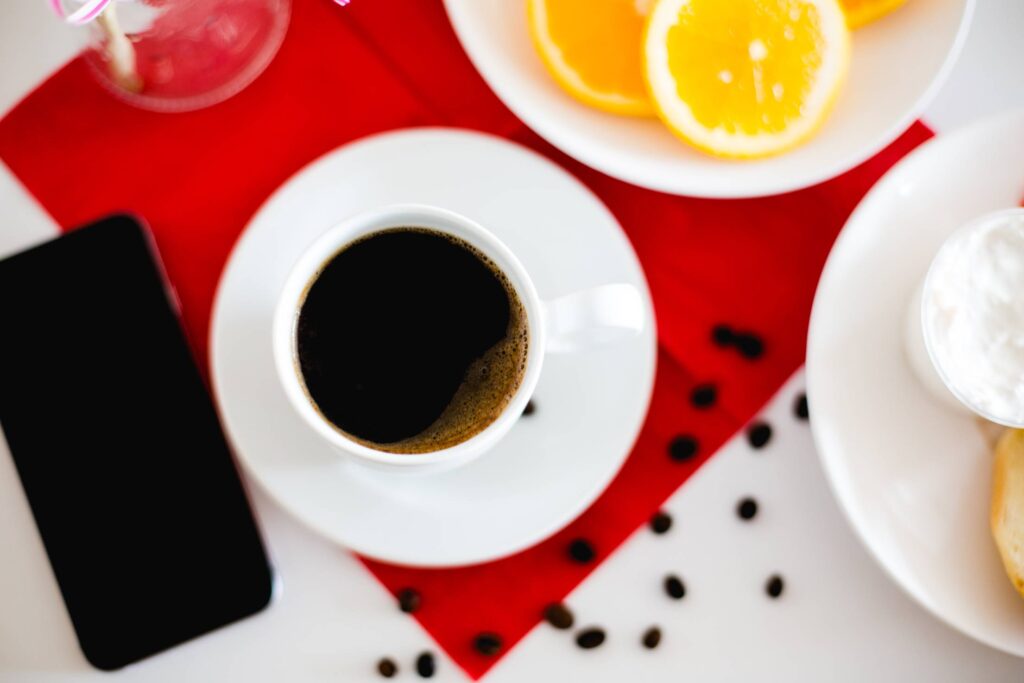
898, 64
913, 475
552, 465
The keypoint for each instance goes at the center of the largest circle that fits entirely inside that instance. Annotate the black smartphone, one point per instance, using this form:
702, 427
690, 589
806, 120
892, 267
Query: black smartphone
119, 450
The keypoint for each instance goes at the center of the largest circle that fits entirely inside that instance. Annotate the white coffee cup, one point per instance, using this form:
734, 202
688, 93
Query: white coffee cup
595, 317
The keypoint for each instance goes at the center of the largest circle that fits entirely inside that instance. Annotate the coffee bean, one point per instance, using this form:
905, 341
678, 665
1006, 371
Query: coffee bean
703, 396
409, 600
682, 448
774, 586
800, 407
674, 587
387, 668
661, 522
487, 644
750, 345
747, 508
559, 616
425, 665
722, 335
529, 409
590, 638
652, 637
759, 434
581, 551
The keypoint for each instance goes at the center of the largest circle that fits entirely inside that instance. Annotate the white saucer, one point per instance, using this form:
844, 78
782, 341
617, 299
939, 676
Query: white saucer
898, 64
912, 475
554, 463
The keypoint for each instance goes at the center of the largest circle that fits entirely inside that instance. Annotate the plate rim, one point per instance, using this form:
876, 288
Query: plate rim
468, 559
653, 181
830, 463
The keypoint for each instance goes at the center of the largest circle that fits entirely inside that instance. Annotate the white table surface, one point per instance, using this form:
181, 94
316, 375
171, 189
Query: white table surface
840, 619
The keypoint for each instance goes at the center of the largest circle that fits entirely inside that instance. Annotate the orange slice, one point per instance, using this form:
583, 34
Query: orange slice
592, 48
860, 12
745, 78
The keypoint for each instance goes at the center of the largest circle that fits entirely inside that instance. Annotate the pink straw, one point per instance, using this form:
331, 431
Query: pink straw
89, 10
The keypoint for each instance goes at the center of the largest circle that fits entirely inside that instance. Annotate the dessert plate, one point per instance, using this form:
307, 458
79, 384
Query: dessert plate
912, 474
553, 464
898, 64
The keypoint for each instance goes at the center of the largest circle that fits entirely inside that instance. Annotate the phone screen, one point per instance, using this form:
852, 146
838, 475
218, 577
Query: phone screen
118, 447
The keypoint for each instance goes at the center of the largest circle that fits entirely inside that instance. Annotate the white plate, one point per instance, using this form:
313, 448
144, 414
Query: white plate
898, 64
912, 475
550, 467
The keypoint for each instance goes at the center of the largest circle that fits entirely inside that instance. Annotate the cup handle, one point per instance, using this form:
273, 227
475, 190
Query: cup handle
593, 318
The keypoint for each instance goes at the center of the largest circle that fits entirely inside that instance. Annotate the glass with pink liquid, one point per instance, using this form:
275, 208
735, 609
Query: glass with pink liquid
179, 55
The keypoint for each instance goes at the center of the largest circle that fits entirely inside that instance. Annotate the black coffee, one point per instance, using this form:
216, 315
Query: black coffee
411, 341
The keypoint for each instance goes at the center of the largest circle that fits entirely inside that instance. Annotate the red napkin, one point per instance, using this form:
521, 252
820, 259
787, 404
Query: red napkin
347, 72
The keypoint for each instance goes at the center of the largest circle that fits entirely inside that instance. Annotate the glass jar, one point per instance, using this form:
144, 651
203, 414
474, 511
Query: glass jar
180, 55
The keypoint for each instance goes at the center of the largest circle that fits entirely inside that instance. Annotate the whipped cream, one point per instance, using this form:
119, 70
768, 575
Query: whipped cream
972, 310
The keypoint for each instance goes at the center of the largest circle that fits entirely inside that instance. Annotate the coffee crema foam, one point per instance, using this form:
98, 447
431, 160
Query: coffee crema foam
486, 390
488, 383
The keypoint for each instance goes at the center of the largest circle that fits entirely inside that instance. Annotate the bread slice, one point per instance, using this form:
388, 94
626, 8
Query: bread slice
1007, 514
